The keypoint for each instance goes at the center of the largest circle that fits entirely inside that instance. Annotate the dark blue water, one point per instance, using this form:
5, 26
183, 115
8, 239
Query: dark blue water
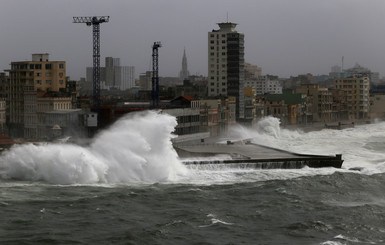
341, 208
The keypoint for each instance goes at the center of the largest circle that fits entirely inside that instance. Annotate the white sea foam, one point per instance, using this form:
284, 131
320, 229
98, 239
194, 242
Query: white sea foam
362, 146
137, 148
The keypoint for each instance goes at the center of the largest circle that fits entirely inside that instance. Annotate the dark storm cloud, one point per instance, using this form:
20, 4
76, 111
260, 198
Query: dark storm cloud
284, 37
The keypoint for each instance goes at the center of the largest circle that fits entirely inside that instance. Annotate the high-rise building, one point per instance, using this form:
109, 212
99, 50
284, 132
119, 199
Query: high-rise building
226, 64
113, 75
40, 74
184, 73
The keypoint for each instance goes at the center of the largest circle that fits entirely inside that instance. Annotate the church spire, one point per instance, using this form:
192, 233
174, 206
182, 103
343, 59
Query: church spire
184, 73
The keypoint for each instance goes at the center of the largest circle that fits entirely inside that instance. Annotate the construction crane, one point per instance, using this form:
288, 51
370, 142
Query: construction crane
155, 75
95, 21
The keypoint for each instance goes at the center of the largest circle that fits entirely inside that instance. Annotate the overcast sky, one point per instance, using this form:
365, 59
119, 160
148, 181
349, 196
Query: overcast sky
284, 37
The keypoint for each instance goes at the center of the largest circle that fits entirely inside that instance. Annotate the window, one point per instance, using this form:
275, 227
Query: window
223, 35
48, 74
48, 81
31, 66
48, 66
61, 81
223, 41
38, 74
38, 81
212, 54
61, 66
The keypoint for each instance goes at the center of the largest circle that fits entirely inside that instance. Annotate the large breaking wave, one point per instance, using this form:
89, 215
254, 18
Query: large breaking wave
136, 148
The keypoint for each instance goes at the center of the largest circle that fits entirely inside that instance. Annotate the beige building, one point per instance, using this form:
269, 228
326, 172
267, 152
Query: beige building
217, 115
253, 71
356, 89
377, 105
320, 99
47, 103
40, 74
36, 105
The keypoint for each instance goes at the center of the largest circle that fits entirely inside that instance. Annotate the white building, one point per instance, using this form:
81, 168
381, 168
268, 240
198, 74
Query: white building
264, 85
226, 64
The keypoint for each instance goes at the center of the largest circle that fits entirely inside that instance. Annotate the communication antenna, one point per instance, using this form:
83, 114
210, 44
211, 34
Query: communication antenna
342, 67
95, 21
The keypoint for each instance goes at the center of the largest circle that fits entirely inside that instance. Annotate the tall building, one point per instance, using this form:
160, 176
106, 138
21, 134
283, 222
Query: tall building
226, 64
40, 74
113, 75
184, 73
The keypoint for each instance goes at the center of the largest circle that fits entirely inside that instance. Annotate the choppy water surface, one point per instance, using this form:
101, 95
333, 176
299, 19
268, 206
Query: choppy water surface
128, 187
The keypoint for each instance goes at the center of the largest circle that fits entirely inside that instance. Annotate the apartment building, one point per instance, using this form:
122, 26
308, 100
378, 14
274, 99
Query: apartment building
356, 90
39, 74
321, 101
226, 64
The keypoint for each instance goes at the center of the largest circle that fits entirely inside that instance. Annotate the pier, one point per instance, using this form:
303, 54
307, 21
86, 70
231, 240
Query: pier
247, 154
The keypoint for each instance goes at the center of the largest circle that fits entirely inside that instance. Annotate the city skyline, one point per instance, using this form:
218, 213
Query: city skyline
284, 38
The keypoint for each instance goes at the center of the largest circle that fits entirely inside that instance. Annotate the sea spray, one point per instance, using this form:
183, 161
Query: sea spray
362, 146
141, 148
265, 131
137, 148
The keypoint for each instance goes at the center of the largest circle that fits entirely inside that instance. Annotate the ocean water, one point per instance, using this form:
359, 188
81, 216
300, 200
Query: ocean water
129, 187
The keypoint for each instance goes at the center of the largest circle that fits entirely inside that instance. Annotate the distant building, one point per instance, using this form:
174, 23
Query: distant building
377, 105
265, 85
2, 115
40, 74
226, 64
356, 88
145, 81
217, 115
357, 70
184, 73
320, 100
252, 71
113, 75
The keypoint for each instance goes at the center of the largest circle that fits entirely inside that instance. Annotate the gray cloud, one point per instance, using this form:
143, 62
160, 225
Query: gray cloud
284, 37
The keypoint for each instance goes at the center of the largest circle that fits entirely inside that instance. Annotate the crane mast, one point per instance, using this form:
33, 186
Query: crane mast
95, 21
155, 74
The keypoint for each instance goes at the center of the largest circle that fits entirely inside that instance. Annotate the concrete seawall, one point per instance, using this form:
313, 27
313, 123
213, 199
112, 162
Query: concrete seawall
247, 154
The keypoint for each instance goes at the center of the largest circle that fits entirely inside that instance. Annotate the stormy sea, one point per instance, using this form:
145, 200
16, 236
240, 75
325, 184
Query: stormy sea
129, 187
